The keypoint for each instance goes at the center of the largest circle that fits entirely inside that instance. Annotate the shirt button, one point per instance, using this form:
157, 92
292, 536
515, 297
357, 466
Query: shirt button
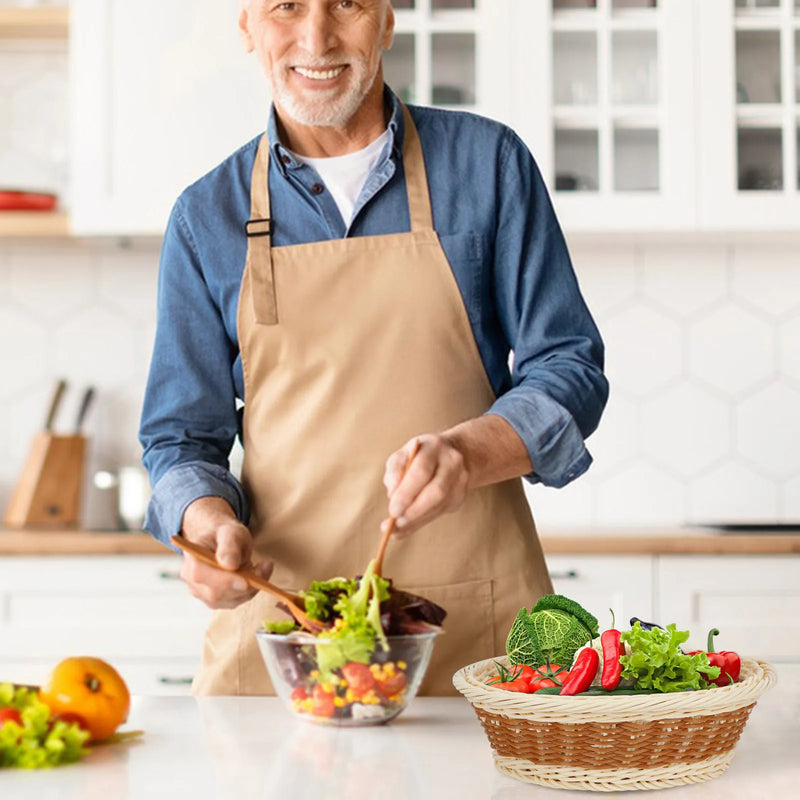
286, 159
317, 188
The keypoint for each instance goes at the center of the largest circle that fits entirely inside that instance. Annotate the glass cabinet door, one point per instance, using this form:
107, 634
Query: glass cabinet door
435, 54
606, 63
615, 89
752, 123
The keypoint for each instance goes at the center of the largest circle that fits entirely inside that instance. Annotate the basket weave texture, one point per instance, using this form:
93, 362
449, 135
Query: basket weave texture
617, 742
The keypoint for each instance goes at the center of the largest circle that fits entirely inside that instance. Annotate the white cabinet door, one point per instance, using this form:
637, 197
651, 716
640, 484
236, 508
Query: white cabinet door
132, 611
749, 121
600, 583
604, 95
754, 601
160, 93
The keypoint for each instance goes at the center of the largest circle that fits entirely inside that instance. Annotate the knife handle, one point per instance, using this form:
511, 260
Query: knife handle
88, 396
55, 401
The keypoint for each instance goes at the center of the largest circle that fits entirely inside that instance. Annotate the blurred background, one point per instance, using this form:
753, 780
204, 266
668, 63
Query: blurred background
675, 177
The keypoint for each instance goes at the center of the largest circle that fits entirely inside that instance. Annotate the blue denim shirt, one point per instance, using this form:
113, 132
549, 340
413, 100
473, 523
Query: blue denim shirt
496, 224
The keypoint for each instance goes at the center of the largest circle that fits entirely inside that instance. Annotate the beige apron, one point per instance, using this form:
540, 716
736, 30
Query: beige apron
350, 347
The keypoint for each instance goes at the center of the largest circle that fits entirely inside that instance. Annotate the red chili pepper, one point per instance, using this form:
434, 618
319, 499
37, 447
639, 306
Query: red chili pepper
582, 673
729, 663
612, 668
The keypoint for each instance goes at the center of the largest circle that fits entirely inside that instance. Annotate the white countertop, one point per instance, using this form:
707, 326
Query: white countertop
241, 748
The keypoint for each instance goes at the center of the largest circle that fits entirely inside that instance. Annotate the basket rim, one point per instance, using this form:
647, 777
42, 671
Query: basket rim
759, 676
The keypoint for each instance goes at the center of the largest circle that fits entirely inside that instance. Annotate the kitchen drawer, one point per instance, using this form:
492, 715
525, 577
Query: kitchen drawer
91, 573
622, 583
754, 601
146, 677
102, 607
109, 642
113, 607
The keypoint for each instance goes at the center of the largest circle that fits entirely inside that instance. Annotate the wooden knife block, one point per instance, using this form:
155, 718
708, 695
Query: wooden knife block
48, 493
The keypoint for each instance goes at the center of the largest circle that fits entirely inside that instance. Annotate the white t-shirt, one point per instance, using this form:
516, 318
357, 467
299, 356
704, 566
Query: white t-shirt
344, 176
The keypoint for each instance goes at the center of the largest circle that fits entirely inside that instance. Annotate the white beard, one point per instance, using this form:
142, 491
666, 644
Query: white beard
325, 108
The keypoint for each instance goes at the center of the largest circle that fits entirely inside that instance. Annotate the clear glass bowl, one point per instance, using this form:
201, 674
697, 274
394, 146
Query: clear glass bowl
356, 694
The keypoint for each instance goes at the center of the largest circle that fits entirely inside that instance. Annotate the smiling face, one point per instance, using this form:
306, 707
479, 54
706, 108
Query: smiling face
322, 57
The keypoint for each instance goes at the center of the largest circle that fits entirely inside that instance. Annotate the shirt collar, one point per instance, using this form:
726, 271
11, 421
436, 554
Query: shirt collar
394, 147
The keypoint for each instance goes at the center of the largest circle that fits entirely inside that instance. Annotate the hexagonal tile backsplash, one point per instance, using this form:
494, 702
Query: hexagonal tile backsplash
702, 424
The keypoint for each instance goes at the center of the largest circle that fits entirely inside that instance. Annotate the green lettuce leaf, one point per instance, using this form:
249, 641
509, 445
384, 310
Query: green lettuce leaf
357, 629
657, 664
37, 743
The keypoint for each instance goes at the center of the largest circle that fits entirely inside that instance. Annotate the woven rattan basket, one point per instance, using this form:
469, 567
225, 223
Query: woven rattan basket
613, 743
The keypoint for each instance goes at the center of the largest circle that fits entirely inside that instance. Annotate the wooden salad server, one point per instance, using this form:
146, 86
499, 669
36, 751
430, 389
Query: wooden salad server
378, 568
292, 602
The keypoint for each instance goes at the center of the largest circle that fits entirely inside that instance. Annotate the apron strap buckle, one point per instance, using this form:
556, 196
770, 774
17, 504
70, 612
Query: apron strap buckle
259, 270
258, 227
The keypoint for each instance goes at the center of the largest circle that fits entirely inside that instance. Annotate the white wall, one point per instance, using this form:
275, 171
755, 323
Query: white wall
703, 356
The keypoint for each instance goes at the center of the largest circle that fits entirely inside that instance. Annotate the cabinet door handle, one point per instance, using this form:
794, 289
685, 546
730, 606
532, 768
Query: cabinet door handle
566, 575
169, 575
172, 681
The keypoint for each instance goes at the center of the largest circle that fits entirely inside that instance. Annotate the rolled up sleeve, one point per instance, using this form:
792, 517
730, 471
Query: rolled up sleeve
558, 390
182, 485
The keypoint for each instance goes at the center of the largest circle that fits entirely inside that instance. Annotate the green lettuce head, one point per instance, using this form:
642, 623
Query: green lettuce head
551, 634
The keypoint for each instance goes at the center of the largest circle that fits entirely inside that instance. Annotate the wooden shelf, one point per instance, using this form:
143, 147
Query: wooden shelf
18, 224
42, 22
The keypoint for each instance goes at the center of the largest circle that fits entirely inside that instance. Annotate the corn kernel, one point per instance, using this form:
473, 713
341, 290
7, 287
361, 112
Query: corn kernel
339, 702
402, 665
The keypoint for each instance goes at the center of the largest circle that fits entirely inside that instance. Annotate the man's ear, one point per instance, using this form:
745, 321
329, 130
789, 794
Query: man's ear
388, 33
244, 33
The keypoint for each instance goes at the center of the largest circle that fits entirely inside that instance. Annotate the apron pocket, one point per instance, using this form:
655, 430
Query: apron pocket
468, 631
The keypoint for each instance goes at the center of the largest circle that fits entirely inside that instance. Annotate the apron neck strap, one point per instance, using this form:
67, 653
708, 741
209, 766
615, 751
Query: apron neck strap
419, 199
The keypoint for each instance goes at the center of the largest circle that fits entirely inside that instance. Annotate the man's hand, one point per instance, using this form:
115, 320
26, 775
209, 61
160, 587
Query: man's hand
479, 452
436, 481
211, 522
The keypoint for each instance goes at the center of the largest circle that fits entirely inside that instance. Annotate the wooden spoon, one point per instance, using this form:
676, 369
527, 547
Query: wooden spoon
292, 602
392, 520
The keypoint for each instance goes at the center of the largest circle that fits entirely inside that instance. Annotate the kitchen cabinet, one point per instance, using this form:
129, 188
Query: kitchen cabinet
161, 92
605, 98
750, 115
599, 582
754, 601
132, 611
660, 115
644, 115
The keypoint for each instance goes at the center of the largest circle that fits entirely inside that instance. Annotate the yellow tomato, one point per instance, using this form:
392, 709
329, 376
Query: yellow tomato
91, 688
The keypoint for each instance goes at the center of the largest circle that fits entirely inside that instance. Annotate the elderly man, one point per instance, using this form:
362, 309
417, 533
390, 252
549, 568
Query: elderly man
339, 291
